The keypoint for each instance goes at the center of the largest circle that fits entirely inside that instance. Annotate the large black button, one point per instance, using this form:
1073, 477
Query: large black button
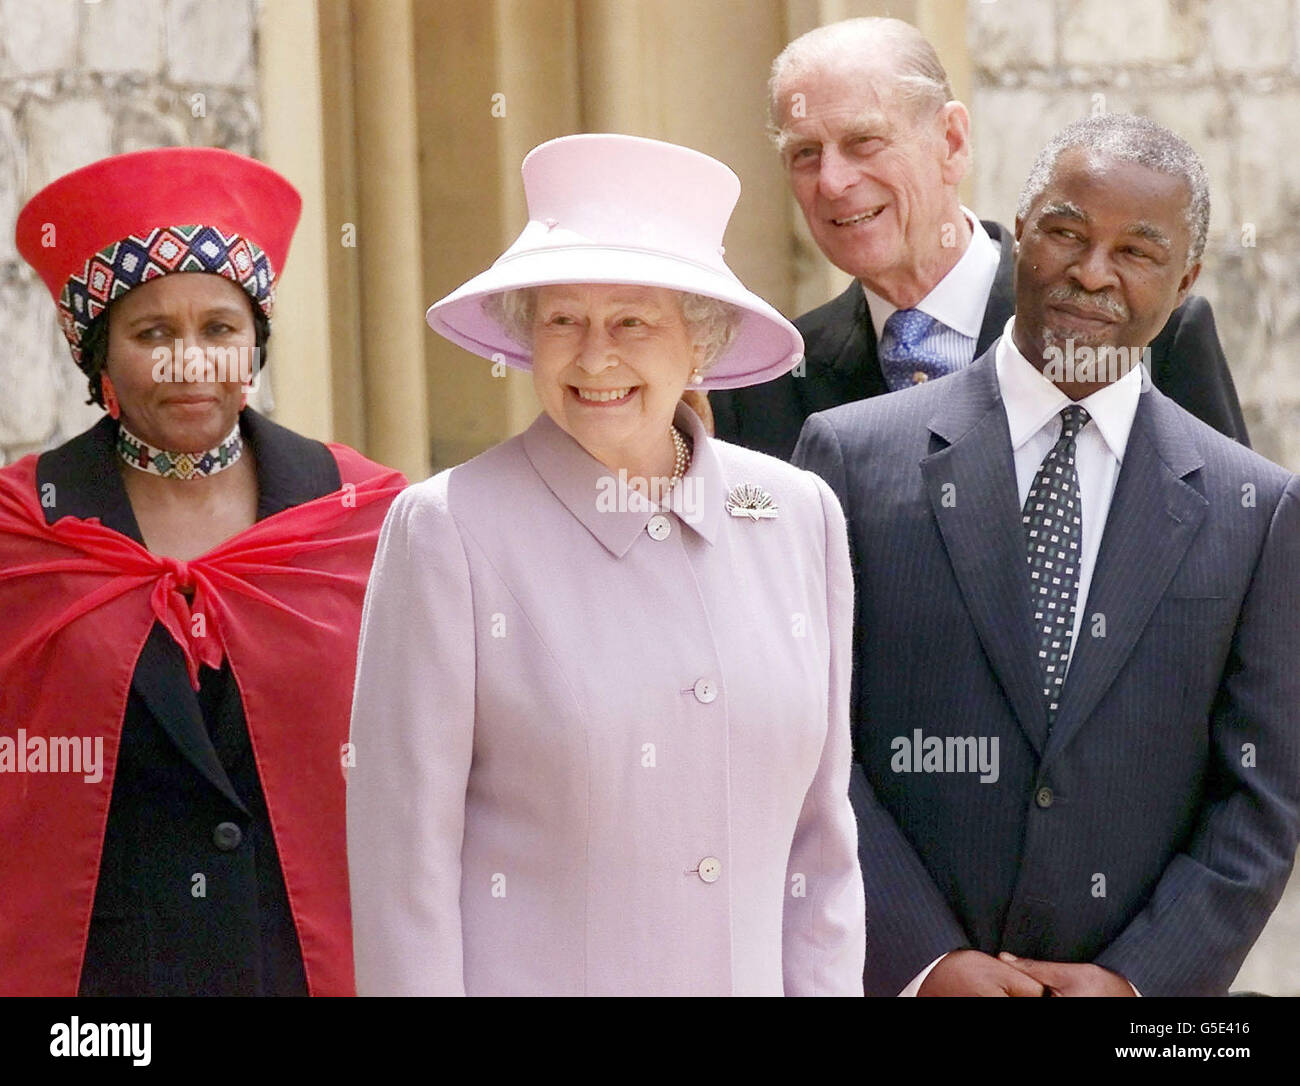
1043, 797
227, 836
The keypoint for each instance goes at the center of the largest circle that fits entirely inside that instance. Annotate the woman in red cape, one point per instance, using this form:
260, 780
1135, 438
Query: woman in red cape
180, 594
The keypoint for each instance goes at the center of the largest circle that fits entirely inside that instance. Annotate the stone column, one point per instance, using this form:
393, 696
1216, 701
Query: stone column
293, 143
388, 241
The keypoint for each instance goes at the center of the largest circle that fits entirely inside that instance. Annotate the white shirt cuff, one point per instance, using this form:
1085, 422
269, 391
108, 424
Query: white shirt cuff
919, 979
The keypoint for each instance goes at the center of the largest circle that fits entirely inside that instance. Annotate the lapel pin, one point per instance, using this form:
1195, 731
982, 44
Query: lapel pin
748, 500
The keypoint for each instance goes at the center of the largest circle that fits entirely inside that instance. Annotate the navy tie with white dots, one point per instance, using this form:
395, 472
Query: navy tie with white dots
1052, 517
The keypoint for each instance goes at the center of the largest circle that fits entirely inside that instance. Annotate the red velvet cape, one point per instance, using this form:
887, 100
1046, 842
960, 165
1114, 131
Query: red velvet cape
282, 600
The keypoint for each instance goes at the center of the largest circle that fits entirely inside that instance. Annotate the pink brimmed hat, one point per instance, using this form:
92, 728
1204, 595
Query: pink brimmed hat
622, 209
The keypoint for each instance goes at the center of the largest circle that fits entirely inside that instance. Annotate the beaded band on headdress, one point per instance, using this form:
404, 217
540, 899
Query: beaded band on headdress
127, 263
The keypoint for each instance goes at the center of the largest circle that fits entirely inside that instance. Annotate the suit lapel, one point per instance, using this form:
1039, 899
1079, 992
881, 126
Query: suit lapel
161, 682
971, 483
852, 372
1153, 518
1002, 298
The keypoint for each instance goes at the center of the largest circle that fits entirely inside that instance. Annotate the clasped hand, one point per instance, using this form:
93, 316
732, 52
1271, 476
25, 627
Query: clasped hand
974, 973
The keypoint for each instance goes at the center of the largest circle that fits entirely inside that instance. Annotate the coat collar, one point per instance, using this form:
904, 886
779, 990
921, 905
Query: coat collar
1002, 298
614, 514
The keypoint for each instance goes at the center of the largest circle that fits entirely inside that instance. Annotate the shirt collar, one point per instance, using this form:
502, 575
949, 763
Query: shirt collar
958, 300
1031, 400
615, 514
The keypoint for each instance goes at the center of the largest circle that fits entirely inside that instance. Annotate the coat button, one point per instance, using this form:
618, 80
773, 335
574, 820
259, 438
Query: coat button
920, 377
227, 836
1043, 797
705, 690
660, 527
710, 869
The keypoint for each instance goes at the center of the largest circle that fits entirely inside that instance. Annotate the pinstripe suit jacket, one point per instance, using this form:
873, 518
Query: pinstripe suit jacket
1153, 830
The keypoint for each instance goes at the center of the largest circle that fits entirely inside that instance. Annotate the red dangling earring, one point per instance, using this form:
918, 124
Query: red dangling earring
110, 397
243, 401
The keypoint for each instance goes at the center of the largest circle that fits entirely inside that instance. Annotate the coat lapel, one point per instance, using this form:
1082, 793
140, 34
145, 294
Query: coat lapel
852, 372
1002, 298
161, 682
971, 482
1153, 518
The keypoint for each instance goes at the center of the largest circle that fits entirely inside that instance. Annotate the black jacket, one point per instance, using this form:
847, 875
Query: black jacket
1187, 365
186, 798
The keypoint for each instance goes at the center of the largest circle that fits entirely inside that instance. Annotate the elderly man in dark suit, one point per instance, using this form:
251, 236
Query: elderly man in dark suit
1077, 699
875, 146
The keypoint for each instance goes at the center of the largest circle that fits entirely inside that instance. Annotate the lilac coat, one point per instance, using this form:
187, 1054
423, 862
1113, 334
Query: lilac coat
590, 761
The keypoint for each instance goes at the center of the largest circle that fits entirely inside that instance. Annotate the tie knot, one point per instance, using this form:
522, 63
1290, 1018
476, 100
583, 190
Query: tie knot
909, 326
1073, 419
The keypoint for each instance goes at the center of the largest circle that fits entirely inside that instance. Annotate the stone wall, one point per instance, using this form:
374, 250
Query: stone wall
78, 81
1225, 75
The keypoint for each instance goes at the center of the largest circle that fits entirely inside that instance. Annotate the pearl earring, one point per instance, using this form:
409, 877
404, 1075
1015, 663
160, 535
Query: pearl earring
697, 378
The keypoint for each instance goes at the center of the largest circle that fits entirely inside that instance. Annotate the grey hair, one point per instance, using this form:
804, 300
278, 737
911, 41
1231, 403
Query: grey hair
918, 77
1131, 138
710, 322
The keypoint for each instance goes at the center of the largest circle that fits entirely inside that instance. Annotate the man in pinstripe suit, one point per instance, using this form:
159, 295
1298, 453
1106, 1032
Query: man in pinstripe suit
1062, 570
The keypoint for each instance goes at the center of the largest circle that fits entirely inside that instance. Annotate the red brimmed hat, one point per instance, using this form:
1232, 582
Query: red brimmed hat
97, 232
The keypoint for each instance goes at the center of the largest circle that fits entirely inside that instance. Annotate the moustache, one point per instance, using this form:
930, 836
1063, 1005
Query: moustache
1101, 305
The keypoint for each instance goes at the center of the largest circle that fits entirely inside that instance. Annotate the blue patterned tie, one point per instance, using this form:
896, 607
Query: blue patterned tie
903, 361
1053, 519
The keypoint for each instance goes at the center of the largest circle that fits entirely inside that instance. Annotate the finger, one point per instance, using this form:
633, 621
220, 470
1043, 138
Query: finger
1047, 974
1018, 983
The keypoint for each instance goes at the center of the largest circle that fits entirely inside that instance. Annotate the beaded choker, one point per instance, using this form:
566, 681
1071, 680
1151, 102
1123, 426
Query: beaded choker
179, 465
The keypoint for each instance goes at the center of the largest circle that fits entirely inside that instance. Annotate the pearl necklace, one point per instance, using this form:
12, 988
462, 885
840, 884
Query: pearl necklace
681, 456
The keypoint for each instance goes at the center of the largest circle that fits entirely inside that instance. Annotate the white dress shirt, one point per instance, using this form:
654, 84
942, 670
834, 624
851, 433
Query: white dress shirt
1033, 405
957, 301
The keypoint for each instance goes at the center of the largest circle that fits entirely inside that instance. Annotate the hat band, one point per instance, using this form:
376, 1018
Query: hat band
136, 259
